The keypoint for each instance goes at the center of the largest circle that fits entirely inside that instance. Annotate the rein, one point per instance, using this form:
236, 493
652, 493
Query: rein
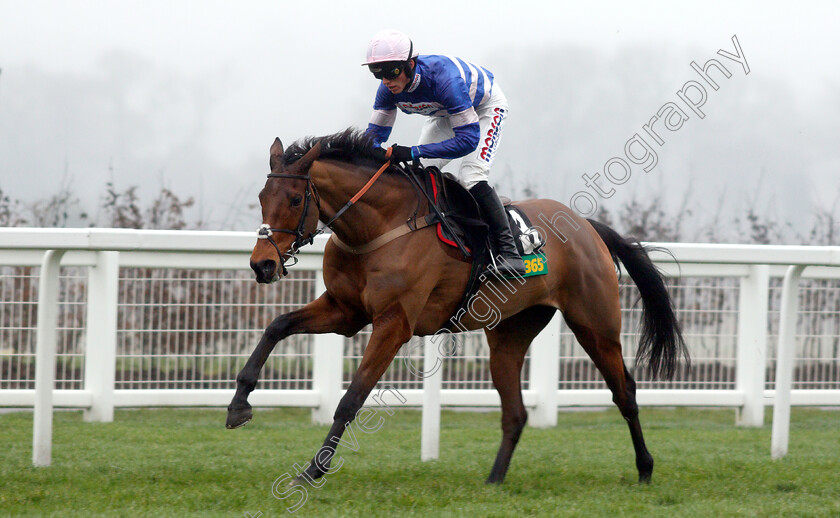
265, 231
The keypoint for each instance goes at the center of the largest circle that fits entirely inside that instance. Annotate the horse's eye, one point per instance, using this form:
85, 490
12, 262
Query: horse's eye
296, 200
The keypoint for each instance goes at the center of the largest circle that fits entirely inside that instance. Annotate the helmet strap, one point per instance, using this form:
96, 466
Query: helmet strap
409, 70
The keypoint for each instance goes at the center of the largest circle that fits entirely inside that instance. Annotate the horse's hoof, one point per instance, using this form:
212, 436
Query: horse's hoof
238, 416
298, 481
645, 466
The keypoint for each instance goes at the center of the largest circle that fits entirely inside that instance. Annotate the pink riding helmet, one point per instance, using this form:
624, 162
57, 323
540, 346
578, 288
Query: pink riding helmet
389, 45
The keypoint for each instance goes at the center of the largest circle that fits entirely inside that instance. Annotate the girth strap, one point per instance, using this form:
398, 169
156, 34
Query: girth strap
385, 238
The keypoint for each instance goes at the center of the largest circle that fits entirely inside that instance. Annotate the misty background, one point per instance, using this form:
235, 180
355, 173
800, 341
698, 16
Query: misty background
102, 99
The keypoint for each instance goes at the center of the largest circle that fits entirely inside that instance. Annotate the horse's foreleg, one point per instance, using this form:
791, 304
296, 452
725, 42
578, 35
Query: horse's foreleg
390, 331
323, 315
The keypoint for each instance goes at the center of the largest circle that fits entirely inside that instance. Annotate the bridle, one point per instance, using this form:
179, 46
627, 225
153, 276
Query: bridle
266, 231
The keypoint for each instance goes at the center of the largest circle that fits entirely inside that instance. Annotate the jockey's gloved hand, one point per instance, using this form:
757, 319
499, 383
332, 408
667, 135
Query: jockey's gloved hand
379, 154
401, 154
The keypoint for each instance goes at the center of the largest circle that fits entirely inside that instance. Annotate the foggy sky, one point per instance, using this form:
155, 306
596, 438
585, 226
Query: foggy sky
190, 95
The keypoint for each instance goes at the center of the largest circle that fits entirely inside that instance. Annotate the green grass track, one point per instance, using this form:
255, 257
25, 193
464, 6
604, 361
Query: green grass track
183, 462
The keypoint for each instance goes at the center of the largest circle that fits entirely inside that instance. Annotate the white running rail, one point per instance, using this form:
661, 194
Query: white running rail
104, 251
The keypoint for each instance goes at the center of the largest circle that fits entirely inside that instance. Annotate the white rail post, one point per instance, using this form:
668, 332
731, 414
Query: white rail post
752, 345
784, 362
545, 373
101, 336
327, 367
430, 435
45, 358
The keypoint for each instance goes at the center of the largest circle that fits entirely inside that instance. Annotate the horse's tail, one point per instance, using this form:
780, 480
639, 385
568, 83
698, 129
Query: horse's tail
662, 343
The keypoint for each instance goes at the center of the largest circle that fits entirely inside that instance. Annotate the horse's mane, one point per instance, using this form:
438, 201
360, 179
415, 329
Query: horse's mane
349, 144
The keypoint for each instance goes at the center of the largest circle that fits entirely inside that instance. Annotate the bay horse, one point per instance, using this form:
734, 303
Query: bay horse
412, 285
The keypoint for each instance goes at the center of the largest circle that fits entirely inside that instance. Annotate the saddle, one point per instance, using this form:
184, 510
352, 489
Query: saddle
459, 207
459, 216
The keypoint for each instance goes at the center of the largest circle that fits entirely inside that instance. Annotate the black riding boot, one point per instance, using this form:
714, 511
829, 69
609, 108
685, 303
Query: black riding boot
508, 261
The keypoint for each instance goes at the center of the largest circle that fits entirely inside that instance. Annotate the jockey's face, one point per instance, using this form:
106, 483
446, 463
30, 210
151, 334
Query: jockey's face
399, 83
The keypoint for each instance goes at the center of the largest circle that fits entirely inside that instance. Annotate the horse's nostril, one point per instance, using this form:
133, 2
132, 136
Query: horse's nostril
268, 267
264, 269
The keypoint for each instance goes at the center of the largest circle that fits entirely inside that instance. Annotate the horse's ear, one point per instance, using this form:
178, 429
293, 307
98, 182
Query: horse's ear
277, 147
276, 153
306, 161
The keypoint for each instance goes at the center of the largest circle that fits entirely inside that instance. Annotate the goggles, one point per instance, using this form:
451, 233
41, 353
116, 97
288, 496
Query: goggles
389, 71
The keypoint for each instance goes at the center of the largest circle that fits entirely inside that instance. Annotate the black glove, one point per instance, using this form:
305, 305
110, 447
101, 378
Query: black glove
379, 154
401, 154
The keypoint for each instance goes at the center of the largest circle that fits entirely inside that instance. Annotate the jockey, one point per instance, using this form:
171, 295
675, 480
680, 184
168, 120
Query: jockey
466, 110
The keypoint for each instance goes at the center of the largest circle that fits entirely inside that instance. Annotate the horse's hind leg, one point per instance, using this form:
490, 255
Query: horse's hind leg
508, 343
606, 353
